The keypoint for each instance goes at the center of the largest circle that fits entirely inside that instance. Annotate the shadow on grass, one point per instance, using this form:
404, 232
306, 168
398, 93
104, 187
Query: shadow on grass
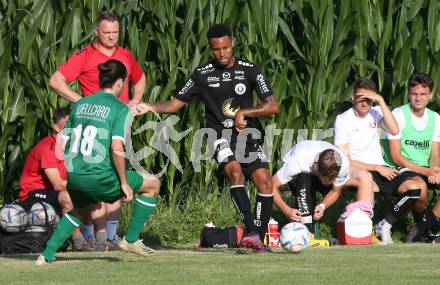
33, 256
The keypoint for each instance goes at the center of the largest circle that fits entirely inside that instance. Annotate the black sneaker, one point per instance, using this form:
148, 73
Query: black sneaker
415, 234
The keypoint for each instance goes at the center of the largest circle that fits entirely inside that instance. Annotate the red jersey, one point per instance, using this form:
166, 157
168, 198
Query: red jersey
83, 66
42, 156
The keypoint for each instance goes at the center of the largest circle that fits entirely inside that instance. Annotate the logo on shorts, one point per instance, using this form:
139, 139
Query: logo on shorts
240, 88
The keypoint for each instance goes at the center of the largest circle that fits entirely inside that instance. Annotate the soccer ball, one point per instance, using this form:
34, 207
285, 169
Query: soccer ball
37, 216
294, 237
13, 218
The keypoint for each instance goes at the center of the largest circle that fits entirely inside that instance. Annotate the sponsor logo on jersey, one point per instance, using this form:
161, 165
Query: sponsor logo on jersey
238, 71
226, 76
239, 77
240, 88
215, 85
373, 124
418, 144
228, 123
245, 63
205, 67
262, 83
213, 79
93, 110
230, 108
187, 86
207, 71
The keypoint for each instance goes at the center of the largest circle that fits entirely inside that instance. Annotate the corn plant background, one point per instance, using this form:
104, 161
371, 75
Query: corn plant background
311, 52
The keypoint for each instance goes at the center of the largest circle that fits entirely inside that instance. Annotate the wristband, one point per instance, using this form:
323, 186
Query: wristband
322, 206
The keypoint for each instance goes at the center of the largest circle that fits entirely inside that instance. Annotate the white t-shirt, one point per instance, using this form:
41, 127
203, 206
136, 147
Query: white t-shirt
419, 124
302, 156
361, 134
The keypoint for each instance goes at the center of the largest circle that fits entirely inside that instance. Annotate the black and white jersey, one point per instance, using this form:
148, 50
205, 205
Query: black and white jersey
225, 90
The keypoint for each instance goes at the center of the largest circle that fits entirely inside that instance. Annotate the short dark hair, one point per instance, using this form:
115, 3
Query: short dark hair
364, 83
421, 79
60, 114
107, 16
110, 71
218, 31
329, 165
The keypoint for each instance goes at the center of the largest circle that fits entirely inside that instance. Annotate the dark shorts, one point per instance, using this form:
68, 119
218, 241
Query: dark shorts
46, 195
250, 156
388, 188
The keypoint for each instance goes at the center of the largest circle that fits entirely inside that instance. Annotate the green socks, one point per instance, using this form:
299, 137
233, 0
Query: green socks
142, 209
65, 228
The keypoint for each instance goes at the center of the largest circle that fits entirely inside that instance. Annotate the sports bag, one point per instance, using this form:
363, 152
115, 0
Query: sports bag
28, 241
229, 237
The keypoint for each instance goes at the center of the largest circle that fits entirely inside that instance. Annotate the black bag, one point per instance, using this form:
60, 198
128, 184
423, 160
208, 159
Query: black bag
229, 237
28, 241
24, 242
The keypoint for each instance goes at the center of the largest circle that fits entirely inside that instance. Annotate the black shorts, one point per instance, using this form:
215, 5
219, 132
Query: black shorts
48, 195
388, 188
250, 156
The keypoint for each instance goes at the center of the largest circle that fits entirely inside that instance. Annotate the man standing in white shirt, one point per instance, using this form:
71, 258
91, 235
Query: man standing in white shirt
312, 166
357, 134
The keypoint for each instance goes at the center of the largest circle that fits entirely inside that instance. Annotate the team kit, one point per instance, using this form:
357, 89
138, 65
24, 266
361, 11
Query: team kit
378, 152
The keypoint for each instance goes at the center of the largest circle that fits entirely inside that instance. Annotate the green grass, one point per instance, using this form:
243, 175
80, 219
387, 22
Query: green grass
396, 264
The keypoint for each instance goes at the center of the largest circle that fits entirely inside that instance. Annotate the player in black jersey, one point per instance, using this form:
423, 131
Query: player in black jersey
225, 85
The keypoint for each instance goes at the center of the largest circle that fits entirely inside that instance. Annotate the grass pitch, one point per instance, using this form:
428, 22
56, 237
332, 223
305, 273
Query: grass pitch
395, 264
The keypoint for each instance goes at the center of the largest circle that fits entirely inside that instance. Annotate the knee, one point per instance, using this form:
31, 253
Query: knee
151, 186
364, 179
236, 177
265, 187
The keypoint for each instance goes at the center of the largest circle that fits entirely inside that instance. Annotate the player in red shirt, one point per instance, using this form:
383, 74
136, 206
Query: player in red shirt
44, 176
83, 66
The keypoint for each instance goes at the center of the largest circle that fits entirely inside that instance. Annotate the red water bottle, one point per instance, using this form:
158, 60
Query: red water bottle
272, 235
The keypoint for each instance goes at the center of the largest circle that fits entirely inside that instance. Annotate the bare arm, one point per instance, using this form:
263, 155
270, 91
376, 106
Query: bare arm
434, 160
389, 122
119, 163
332, 196
291, 213
58, 183
170, 106
138, 91
268, 106
386, 172
59, 84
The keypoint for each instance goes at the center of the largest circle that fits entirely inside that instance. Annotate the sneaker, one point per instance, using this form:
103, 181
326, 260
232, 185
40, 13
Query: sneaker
437, 240
253, 241
414, 235
41, 261
138, 247
112, 245
383, 231
88, 246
